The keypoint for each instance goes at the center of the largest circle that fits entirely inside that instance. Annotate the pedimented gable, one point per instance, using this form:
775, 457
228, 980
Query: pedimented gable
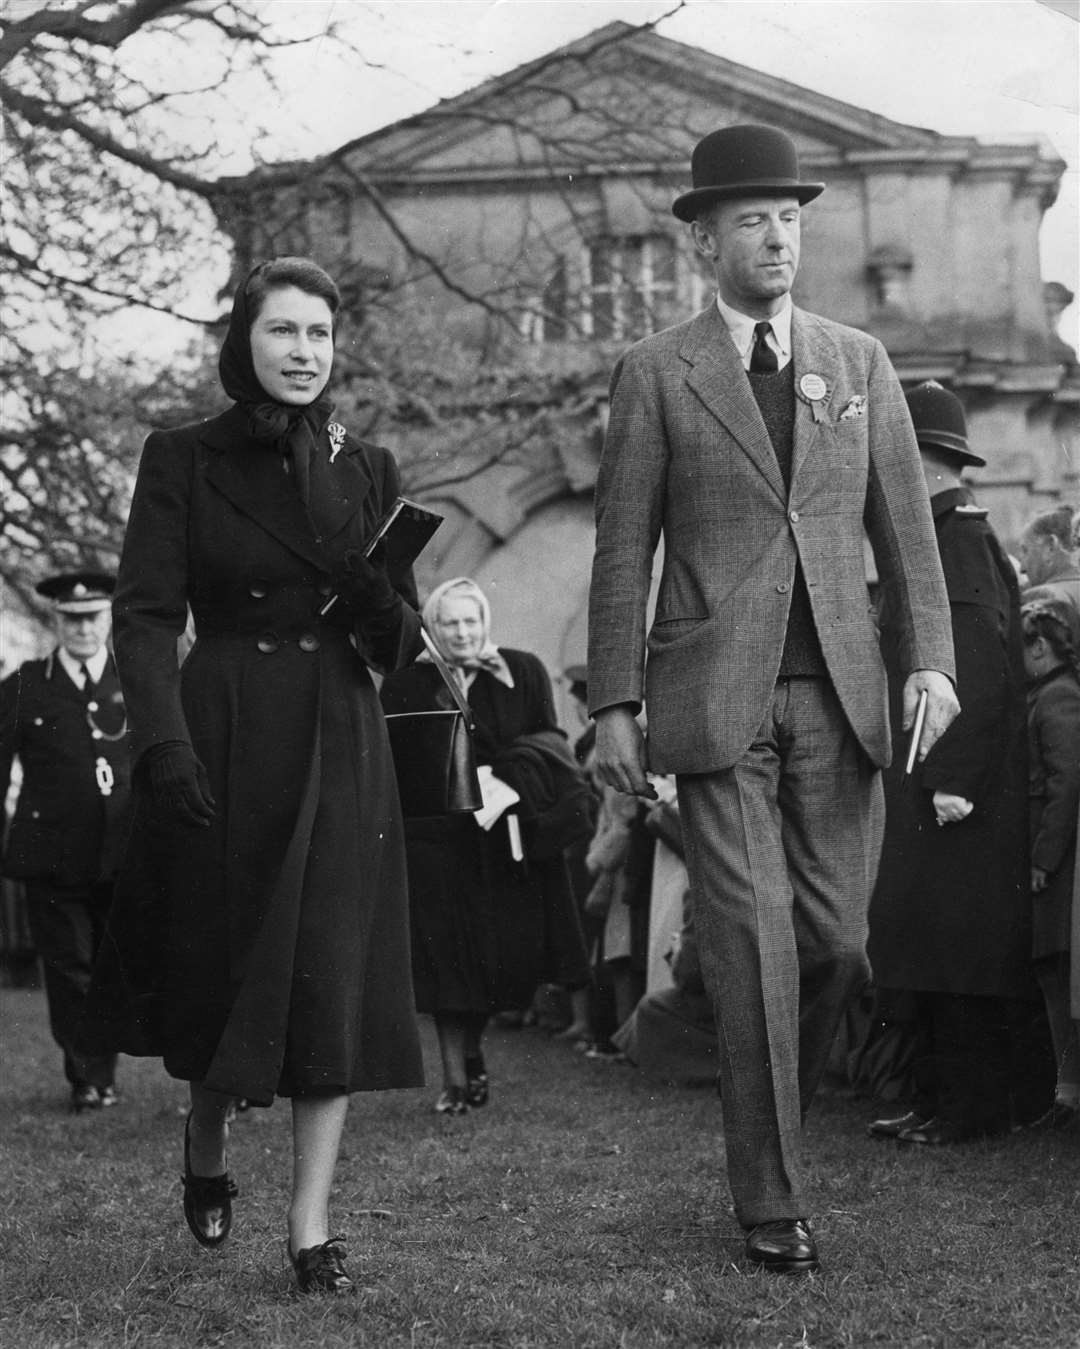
621, 95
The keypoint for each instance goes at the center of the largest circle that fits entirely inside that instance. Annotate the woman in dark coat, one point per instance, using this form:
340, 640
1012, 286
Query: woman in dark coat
260, 937
493, 913
1050, 656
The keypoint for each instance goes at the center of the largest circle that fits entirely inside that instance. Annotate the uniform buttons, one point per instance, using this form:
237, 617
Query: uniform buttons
258, 590
35, 814
39, 721
308, 642
781, 588
793, 516
268, 643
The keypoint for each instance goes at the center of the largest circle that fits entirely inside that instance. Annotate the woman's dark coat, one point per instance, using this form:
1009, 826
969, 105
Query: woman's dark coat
1054, 769
487, 930
950, 912
268, 953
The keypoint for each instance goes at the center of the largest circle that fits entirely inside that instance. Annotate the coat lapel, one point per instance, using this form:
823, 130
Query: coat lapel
251, 477
719, 380
339, 489
813, 353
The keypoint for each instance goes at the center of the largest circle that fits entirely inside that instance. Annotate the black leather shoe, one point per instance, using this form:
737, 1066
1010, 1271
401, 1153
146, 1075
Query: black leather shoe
476, 1080
85, 1097
321, 1269
784, 1246
207, 1200
452, 1102
892, 1128
1061, 1115
936, 1133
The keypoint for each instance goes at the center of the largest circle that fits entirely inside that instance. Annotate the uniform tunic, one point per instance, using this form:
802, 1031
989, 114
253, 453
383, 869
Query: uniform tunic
486, 930
267, 954
65, 830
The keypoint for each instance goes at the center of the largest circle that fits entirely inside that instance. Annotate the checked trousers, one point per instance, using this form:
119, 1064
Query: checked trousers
782, 851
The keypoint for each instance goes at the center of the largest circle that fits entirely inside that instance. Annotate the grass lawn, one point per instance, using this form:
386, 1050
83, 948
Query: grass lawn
583, 1207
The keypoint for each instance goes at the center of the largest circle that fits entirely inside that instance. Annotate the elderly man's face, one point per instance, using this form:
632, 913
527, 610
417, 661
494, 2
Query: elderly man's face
83, 635
753, 245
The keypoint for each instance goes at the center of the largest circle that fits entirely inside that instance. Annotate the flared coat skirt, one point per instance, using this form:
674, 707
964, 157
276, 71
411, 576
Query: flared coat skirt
269, 954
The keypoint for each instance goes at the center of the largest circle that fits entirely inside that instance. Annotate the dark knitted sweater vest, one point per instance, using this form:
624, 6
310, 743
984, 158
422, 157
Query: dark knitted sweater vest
775, 394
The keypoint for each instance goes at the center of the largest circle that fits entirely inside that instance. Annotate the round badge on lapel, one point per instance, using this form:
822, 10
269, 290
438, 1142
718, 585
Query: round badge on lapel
813, 387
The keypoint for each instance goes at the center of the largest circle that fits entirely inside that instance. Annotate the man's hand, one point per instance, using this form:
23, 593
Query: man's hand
620, 752
942, 706
950, 808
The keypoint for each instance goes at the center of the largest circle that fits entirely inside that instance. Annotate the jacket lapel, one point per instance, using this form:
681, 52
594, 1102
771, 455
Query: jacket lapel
718, 379
251, 476
813, 353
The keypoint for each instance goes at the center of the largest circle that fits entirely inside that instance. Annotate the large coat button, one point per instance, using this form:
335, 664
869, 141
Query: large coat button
258, 590
308, 642
268, 643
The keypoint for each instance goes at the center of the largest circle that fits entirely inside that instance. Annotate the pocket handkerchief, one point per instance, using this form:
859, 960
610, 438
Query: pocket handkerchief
854, 407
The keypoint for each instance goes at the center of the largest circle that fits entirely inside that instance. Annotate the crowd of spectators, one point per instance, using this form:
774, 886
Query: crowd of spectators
973, 1020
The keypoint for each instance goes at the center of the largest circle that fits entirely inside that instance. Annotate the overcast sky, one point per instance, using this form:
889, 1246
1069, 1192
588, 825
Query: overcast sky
991, 68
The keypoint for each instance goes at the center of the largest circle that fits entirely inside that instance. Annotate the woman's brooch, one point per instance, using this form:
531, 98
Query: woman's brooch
336, 432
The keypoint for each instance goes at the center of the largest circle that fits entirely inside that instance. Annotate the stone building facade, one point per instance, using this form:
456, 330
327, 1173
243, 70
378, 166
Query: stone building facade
526, 226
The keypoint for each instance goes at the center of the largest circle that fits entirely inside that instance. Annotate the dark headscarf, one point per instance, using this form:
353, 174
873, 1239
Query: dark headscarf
270, 422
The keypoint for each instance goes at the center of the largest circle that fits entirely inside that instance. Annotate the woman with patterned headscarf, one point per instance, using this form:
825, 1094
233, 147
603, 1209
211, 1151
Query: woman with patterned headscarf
491, 906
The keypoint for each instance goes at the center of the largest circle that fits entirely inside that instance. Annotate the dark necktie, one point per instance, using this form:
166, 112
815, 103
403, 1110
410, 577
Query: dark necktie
89, 687
762, 357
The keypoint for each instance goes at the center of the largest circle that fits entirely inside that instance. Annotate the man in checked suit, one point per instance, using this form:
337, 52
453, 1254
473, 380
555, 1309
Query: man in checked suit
760, 441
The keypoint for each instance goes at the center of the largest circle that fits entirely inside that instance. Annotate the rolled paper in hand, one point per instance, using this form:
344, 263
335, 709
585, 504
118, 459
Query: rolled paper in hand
916, 733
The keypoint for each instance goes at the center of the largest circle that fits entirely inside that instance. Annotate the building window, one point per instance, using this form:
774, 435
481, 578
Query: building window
629, 287
614, 289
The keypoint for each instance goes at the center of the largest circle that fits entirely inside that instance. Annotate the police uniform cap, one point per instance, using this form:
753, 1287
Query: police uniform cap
939, 421
78, 592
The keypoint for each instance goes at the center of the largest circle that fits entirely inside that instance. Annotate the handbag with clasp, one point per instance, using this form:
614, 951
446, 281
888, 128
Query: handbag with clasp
434, 757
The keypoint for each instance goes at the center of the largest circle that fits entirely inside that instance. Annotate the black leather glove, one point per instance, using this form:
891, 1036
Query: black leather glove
178, 783
363, 586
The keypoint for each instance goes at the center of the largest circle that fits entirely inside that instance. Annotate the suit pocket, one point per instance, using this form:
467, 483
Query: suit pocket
666, 632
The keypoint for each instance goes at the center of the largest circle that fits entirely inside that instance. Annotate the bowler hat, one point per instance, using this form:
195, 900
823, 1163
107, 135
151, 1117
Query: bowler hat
743, 161
78, 592
938, 416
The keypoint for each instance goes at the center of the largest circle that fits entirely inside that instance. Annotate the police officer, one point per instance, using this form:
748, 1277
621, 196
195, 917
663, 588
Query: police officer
63, 717
950, 921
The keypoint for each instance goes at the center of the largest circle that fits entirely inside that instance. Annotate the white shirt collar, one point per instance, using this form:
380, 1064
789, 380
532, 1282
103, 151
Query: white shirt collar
96, 665
741, 328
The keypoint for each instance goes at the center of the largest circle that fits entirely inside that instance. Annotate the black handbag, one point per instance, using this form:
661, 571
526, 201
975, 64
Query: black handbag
433, 754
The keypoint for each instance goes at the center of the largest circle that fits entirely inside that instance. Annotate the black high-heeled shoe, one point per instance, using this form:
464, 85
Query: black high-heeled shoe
476, 1080
207, 1200
321, 1269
